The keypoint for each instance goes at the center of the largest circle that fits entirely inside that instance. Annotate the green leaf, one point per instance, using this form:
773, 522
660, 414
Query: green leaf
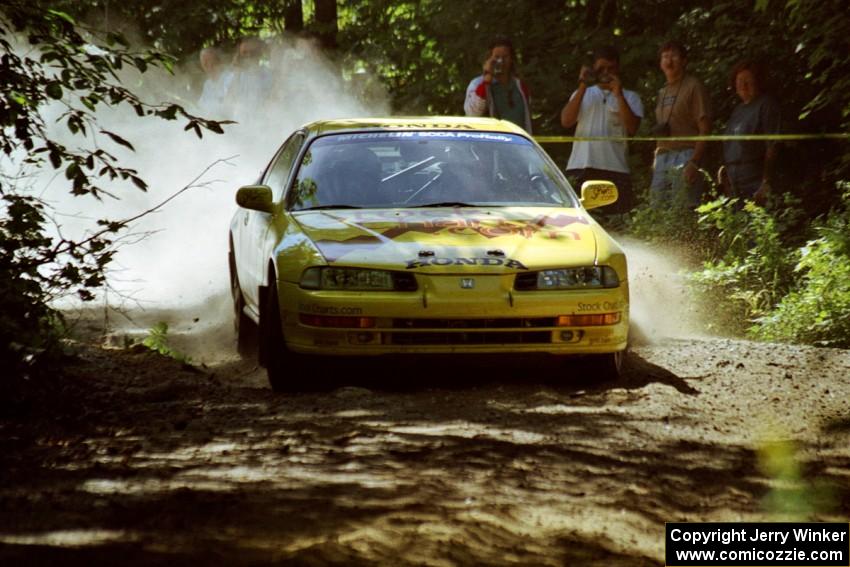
63, 16
118, 139
54, 90
139, 182
169, 113
72, 171
18, 98
55, 158
114, 37
140, 64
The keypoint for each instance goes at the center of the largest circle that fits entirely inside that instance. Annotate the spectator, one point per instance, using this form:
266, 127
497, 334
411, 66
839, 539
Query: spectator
682, 110
747, 165
602, 107
498, 91
213, 100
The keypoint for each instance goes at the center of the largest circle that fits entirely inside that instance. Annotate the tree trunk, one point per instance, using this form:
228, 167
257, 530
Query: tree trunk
326, 24
293, 16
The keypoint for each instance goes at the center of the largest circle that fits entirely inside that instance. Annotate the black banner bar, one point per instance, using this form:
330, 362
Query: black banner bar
805, 544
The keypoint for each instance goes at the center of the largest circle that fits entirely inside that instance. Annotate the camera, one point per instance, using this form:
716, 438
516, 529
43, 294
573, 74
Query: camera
593, 78
498, 66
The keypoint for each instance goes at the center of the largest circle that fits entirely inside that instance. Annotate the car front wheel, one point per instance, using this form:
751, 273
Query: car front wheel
282, 365
609, 366
246, 330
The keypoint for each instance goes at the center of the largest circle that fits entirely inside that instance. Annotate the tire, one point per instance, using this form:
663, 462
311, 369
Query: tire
244, 328
609, 366
282, 365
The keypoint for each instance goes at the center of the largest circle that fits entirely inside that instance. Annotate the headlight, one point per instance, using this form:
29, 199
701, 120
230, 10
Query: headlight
568, 278
357, 279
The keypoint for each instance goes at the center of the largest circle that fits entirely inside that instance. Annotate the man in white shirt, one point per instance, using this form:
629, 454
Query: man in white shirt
602, 107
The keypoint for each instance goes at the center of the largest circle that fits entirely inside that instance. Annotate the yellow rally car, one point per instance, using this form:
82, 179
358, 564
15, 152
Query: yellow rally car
423, 235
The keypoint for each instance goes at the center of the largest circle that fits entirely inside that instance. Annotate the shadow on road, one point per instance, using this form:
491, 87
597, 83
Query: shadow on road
466, 463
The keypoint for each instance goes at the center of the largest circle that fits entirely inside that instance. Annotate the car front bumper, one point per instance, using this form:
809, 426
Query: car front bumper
443, 317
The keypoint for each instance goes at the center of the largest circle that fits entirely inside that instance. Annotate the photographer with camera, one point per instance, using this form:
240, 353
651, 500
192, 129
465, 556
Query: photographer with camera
682, 110
602, 107
498, 92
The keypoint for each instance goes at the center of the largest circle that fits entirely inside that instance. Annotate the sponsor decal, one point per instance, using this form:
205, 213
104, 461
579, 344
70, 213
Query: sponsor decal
365, 136
602, 306
486, 226
424, 135
437, 261
378, 230
328, 309
455, 125
604, 192
490, 228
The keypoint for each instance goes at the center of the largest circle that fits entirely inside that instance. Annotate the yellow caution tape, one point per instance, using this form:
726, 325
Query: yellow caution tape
720, 138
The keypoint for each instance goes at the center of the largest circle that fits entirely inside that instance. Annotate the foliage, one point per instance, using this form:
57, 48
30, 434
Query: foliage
672, 226
46, 58
817, 311
157, 341
765, 274
750, 266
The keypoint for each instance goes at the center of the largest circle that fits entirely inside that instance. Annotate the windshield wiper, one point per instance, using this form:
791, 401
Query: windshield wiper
445, 204
322, 207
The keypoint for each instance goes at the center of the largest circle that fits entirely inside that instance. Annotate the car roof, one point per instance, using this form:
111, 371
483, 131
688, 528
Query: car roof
322, 127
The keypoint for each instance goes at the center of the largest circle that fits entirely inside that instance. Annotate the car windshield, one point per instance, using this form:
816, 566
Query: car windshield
427, 169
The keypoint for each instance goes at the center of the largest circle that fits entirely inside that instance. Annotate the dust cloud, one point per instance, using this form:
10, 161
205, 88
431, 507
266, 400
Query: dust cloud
172, 264
661, 305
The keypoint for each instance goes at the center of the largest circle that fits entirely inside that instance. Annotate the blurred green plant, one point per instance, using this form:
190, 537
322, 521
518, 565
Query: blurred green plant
791, 496
157, 341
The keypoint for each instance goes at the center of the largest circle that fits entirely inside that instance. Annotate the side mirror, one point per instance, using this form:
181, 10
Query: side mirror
255, 197
597, 194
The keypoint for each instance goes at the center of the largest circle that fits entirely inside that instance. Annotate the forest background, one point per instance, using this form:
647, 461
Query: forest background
781, 272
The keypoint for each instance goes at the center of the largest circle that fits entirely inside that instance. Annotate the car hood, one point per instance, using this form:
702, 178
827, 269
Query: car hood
454, 240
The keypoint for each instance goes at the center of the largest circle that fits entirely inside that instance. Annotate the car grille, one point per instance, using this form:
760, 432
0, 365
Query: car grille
501, 323
472, 338
470, 331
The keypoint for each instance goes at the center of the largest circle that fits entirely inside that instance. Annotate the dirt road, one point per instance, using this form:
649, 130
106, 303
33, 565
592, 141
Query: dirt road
136, 460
